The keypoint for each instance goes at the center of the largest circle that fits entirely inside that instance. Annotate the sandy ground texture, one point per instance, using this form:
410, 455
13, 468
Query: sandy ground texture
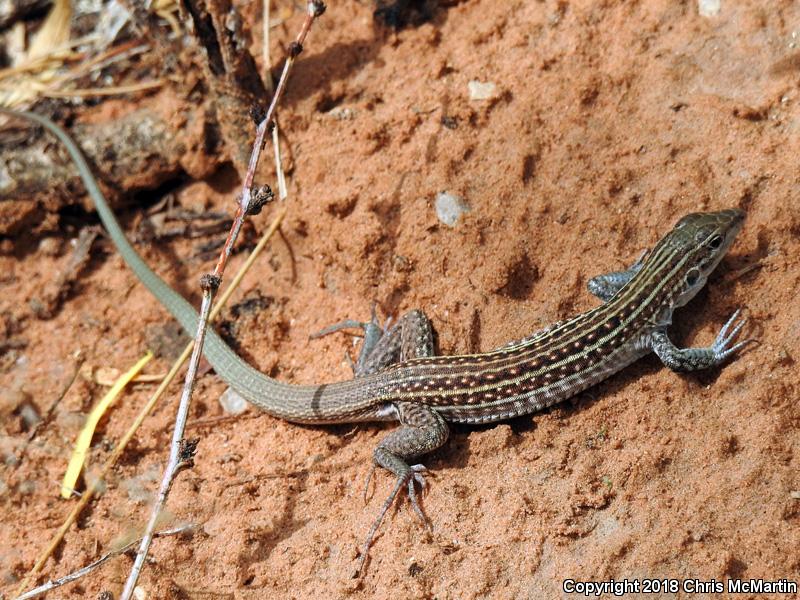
607, 121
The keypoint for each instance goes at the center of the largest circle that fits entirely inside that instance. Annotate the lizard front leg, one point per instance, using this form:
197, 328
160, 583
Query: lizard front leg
683, 360
605, 286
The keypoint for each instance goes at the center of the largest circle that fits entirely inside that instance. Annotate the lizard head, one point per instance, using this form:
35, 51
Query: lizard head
695, 246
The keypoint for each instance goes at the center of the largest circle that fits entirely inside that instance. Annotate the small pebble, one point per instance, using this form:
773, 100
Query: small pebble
479, 90
450, 207
231, 457
30, 416
342, 113
70, 421
232, 403
50, 246
709, 8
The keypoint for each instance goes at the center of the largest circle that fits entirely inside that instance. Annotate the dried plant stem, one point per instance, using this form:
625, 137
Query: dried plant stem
269, 84
181, 452
106, 91
315, 9
90, 491
276, 144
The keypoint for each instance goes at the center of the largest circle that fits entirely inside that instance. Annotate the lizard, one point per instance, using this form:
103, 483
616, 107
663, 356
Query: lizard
398, 378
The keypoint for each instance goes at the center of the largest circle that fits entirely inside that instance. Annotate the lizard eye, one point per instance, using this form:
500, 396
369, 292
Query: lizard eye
715, 242
692, 276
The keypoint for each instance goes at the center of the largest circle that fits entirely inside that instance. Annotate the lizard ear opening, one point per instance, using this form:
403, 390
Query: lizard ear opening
692, 276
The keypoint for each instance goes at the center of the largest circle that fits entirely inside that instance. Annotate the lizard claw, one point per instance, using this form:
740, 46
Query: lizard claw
366, 483
415, 476
721, 346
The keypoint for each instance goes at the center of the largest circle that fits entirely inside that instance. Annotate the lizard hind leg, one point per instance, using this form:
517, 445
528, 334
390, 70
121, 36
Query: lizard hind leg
422, 430
386, 345
373, 333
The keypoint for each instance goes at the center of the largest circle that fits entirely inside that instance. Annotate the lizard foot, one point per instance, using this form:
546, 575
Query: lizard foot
407, 479
721, 348
373, 333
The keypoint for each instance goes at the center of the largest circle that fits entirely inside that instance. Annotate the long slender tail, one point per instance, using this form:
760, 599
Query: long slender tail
300, 403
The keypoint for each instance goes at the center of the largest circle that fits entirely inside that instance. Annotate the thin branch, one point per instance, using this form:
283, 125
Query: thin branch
179, 456
180, 451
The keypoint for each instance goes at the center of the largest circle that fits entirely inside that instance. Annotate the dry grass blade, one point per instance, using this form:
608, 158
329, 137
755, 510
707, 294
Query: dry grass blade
109, 91
55, 31
54, 34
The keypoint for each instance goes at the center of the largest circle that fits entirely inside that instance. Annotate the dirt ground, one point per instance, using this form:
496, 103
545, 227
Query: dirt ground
608, 122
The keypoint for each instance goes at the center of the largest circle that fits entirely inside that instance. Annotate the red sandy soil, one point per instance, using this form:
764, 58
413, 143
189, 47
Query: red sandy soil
611, 121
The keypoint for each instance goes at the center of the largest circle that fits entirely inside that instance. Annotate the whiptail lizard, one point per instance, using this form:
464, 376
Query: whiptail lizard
399, 379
